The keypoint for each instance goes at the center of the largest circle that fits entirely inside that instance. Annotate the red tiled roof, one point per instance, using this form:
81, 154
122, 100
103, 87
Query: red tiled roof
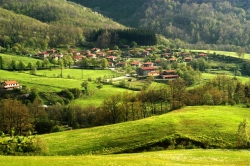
171, 76
78, 57
202, 54
10, 82
149, 68
172, 59
135, 63
111, 57
169, 71
147, 63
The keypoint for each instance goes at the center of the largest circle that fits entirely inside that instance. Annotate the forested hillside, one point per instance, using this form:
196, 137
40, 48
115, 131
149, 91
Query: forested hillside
222, 24
61, 23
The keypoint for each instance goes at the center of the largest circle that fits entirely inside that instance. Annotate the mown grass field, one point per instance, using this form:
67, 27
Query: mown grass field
19, 58
45, 82
161, 158
214, 126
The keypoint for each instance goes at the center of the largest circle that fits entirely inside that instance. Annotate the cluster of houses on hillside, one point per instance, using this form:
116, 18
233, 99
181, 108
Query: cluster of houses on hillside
144, 68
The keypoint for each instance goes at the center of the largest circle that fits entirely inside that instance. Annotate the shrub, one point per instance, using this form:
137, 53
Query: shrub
57, 128
23, 145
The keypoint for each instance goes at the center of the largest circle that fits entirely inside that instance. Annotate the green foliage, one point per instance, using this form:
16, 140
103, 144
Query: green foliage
243, 134
223, 22
66, 94
22, 145
61, 23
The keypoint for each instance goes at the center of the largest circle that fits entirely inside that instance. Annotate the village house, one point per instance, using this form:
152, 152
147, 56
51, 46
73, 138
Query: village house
100, 54
42, 55
201, 55
154, 74
147, 64
145, 70
111, 64
51, 51
171, 60
9, 85
91, 56
157, 62
169, 74
111, 58
145, 53
78, 58
76, 53
166, 55
95, 50
136, 64
187, 59
111, 52
149, 50
121, 64
184, 54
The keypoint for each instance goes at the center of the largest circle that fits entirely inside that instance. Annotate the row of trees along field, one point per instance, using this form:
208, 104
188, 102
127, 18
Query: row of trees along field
65, 62
222, 90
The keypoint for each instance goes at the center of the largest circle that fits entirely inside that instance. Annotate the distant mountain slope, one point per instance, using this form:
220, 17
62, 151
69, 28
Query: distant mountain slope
59, 11
221, 22
61, 23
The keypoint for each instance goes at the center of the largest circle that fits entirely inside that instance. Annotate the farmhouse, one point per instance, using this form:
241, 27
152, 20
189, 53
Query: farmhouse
145, 70
9, 85
135, 63
169, 75
154, 73
121, 64
145, 53
147, 64
187, 59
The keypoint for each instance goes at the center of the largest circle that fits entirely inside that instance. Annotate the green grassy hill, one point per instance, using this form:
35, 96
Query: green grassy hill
203, 126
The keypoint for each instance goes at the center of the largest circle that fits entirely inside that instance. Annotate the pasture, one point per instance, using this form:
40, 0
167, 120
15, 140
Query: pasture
207, 125
226, 53
161, 158
8, 58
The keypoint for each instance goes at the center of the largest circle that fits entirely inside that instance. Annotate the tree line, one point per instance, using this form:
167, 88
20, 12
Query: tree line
128, 106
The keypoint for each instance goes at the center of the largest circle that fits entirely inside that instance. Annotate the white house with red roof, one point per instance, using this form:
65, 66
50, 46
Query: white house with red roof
10, 85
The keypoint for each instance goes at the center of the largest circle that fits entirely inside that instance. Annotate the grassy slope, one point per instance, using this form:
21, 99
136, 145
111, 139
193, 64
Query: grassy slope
162, 158
227, 53
45, 82
19, 58
215, 126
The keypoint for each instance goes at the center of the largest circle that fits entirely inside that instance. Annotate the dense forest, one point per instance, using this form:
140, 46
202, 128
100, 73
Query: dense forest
216, 24
29, 25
